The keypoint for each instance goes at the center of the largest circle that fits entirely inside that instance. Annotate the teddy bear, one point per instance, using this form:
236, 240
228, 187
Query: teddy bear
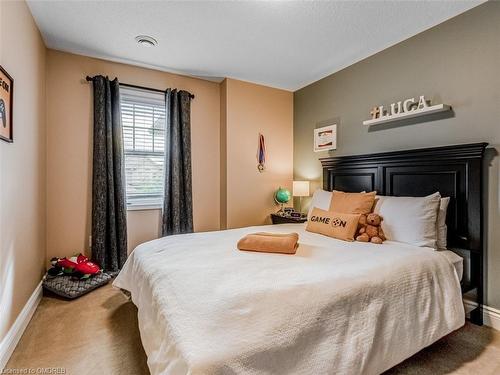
369, 229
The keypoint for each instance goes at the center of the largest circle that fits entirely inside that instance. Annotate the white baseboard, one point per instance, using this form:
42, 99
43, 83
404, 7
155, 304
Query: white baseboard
9, 342
491, 316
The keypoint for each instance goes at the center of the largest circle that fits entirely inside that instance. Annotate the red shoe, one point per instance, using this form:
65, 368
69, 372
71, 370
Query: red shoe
78, 264
81, 258
68, 265
87, 268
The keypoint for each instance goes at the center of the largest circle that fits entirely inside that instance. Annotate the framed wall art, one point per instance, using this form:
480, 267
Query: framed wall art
325, 138
6, 105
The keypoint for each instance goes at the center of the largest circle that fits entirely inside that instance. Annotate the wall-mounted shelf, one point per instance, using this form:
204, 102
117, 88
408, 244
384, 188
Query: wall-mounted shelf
410, 114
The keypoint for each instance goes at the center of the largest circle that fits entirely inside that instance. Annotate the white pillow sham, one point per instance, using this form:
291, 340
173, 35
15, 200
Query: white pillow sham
412, 220
320, 199
442, 229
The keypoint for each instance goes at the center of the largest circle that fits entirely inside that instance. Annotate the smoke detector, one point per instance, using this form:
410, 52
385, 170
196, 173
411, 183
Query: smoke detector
146, 41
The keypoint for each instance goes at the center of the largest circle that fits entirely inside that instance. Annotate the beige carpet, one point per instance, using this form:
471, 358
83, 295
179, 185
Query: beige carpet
98, 334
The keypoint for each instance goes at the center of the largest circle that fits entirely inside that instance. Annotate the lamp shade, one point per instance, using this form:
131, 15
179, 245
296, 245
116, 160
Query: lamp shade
300, 188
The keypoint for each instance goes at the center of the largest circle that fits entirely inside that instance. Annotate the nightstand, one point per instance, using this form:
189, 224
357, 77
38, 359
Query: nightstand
278, 219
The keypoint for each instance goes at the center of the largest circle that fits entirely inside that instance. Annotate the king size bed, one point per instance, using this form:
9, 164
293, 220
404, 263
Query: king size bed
334, 307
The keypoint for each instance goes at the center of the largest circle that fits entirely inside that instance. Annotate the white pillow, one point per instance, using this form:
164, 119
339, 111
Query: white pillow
412, 220
320, 199
442, 229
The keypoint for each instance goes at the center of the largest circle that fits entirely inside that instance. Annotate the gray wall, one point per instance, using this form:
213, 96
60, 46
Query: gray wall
456, 63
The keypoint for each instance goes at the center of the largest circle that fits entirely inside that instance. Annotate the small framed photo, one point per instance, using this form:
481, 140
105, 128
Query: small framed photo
6, 105
325, 138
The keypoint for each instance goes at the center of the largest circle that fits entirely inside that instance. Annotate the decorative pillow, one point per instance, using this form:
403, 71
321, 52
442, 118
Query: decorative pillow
320, 199
333, 224
442, 229
410, 219
352, 203
70, 287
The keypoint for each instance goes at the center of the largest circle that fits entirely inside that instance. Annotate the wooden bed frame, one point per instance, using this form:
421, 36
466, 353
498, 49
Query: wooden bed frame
454, 171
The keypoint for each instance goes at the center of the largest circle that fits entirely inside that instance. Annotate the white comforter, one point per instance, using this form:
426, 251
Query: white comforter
333, 308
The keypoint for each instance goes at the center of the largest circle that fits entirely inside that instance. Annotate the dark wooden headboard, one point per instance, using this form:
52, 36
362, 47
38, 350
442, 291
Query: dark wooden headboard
454, 171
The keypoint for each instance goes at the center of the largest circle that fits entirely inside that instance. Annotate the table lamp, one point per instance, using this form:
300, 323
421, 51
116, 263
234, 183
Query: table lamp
300, 189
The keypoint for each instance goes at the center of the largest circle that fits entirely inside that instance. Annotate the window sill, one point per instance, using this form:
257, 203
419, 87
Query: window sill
144, 207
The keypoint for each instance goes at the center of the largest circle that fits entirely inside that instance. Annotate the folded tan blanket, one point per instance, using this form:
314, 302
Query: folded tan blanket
270, 242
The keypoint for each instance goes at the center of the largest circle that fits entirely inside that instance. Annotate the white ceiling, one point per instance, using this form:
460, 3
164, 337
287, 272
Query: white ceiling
284, 44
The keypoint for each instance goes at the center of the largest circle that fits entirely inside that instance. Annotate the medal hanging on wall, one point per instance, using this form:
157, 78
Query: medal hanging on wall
261, 154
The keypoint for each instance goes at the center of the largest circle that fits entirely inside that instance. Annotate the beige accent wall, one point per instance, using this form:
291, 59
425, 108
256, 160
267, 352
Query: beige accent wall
22, 164
69, 154
456, 63
251, 109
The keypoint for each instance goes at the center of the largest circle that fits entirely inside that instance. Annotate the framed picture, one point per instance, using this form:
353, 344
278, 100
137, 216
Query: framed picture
325, 138
6, 105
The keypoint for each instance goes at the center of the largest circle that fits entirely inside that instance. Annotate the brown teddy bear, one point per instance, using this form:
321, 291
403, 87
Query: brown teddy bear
369, 229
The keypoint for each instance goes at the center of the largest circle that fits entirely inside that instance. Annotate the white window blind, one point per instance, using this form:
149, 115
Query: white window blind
143, 121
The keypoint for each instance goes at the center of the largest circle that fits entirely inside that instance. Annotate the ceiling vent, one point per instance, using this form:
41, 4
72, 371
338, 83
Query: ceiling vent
146, 41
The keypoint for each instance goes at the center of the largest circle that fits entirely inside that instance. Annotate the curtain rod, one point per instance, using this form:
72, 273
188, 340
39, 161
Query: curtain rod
88, 78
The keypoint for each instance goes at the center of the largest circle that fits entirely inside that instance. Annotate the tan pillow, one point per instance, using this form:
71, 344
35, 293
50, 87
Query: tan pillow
352, 203
333, 224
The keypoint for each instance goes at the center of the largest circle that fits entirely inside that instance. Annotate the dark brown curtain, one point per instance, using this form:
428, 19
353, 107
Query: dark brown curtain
109, 221
178, 202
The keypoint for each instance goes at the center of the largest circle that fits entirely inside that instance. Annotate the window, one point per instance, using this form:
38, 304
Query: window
143, 121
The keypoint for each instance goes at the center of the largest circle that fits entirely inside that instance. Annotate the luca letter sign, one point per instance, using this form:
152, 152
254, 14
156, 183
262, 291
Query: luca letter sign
404, 109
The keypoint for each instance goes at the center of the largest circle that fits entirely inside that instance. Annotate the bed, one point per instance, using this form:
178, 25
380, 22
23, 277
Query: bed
335, 307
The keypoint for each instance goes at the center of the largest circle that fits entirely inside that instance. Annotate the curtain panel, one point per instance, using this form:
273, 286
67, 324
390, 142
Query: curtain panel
178, 202
109, 220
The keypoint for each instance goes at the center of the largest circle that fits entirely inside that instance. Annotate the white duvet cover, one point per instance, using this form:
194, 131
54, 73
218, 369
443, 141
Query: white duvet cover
333, 308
